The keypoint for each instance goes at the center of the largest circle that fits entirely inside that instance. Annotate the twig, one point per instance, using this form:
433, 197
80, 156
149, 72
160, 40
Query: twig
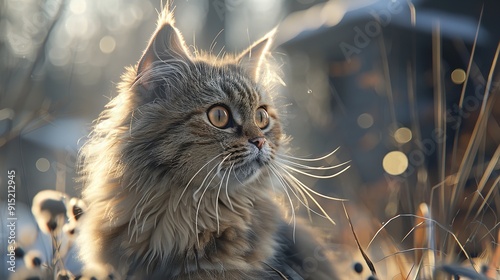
365, 256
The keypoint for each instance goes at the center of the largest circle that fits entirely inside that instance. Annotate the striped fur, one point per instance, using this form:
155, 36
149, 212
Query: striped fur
171, 196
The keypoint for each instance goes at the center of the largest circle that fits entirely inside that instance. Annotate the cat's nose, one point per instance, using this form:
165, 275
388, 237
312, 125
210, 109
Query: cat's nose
258, 142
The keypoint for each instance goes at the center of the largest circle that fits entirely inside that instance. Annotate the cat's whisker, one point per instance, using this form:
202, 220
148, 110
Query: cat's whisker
218, 166
311, 159
227, 183
284, 183
284, 166
199, 205
204, 180
304, 201
326, 216
296, 182
303, 166
308, 189
293, 185
217, 200
204, 191
291, 207
269, 171
197, 211
192, 178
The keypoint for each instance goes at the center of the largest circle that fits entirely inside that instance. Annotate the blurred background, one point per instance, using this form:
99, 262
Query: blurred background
404, 88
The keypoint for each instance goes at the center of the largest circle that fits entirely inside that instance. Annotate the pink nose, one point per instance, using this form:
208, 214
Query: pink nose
258, 141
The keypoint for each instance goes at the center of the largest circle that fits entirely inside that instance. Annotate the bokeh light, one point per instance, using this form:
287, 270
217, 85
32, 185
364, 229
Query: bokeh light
395, 163
107, 44
403, 135
458, 76
42, 164
78, 6
365, 120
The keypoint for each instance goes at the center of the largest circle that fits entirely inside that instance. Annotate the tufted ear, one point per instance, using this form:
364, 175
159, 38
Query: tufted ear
253, 57
165, 45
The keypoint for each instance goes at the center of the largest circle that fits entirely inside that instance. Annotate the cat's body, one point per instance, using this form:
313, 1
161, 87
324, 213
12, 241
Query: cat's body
176, 172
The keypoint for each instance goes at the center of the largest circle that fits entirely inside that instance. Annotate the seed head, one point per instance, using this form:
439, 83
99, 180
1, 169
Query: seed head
49, 209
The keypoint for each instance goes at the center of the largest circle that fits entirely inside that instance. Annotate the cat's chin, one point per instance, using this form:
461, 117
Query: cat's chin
246, 173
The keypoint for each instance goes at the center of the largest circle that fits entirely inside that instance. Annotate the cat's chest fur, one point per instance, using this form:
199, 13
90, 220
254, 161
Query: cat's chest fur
235, 234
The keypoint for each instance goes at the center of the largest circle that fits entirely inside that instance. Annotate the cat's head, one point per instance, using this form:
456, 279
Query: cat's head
199, 116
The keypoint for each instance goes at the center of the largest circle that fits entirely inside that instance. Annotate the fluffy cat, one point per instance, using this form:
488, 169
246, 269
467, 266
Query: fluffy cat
177, 171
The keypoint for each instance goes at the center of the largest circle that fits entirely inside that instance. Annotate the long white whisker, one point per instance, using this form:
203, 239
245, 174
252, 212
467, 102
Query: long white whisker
303, 201
281, 179
293, 210
312, 175
307, 190
227, 183
209, 172
305, 187
197, 211
303, 166
293, 185
284, 182
217, 200
192, 178
312, 159
203, 193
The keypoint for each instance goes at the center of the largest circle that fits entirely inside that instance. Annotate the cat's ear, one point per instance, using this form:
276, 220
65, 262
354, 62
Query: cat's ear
253, 57
165, 45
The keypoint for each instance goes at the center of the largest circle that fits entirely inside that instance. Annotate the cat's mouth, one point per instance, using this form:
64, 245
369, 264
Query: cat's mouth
243, 170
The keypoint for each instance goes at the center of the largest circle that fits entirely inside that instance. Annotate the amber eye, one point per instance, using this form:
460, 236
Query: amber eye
261, 118
218, 116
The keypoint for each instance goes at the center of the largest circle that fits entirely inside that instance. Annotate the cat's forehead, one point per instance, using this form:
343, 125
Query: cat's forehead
234, 85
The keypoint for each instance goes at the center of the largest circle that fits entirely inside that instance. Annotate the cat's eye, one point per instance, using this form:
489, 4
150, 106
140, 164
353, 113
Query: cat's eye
261, 118
218, 116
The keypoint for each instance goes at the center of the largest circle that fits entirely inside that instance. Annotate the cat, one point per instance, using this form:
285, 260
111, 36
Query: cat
177, 172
